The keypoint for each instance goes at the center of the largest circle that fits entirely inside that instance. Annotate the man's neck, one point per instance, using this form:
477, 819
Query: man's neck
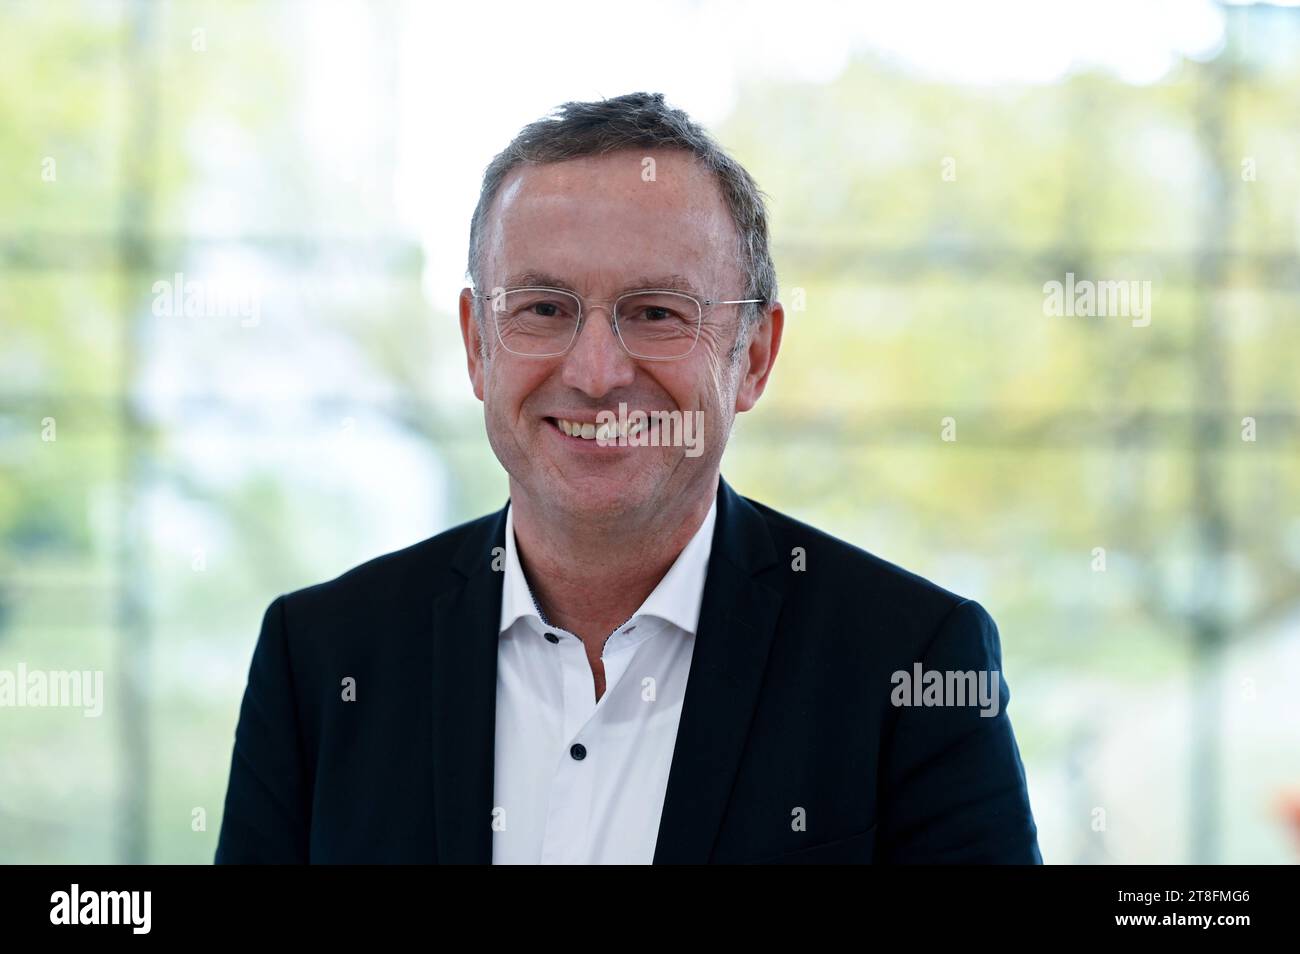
590, 578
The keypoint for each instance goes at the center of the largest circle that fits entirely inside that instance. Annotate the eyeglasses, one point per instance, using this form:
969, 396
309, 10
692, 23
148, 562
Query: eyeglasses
652, 324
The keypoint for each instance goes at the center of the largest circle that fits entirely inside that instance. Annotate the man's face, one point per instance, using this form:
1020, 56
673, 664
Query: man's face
598, 228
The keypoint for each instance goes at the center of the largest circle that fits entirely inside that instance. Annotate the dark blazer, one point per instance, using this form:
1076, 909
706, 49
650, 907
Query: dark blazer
787, 708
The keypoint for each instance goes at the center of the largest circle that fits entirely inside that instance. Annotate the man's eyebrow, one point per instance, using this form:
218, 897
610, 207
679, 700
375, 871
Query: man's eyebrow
522, 279
672, 282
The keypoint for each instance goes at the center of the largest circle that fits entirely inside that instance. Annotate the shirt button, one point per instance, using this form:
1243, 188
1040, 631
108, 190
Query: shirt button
551, 637
578, 751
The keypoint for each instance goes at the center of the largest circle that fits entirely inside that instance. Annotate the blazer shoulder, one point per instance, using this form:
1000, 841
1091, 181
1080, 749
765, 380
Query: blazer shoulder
425, 569
836, 563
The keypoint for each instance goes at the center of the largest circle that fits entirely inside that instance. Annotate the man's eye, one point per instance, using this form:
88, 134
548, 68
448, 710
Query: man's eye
654, 313
544, 308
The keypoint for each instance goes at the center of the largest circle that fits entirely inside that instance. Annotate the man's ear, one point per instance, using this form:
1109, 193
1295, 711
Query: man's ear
470, 334
764, 344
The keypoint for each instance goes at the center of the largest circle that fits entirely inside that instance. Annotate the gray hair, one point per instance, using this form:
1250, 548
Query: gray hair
638, 121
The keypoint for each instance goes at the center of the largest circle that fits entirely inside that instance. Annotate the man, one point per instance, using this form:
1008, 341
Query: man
630, 662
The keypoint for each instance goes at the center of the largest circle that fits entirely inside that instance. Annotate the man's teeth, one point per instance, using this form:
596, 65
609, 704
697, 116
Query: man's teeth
605, 432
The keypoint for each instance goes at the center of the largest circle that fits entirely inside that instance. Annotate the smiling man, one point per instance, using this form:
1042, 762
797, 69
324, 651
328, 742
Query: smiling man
630, 662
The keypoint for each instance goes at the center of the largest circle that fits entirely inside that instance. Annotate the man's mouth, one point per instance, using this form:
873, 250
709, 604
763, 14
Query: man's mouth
590, 431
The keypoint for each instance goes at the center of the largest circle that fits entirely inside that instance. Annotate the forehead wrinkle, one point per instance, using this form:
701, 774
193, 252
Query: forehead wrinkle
672, 281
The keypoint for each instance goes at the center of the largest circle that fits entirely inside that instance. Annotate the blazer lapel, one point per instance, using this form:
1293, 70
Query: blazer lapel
737, 621
465, 633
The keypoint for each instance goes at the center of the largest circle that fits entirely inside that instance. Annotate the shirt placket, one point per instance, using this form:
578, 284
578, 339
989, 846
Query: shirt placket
569, 810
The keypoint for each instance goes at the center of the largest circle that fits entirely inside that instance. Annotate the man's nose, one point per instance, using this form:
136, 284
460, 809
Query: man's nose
597, 363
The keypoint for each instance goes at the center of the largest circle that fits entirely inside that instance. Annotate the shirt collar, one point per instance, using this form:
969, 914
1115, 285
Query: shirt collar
676, 599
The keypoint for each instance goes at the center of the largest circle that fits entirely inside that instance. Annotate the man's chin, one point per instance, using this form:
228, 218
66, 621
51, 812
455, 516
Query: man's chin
597, 499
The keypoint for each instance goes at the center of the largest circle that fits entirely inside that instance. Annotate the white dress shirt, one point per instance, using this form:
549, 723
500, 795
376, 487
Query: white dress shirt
581, 781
